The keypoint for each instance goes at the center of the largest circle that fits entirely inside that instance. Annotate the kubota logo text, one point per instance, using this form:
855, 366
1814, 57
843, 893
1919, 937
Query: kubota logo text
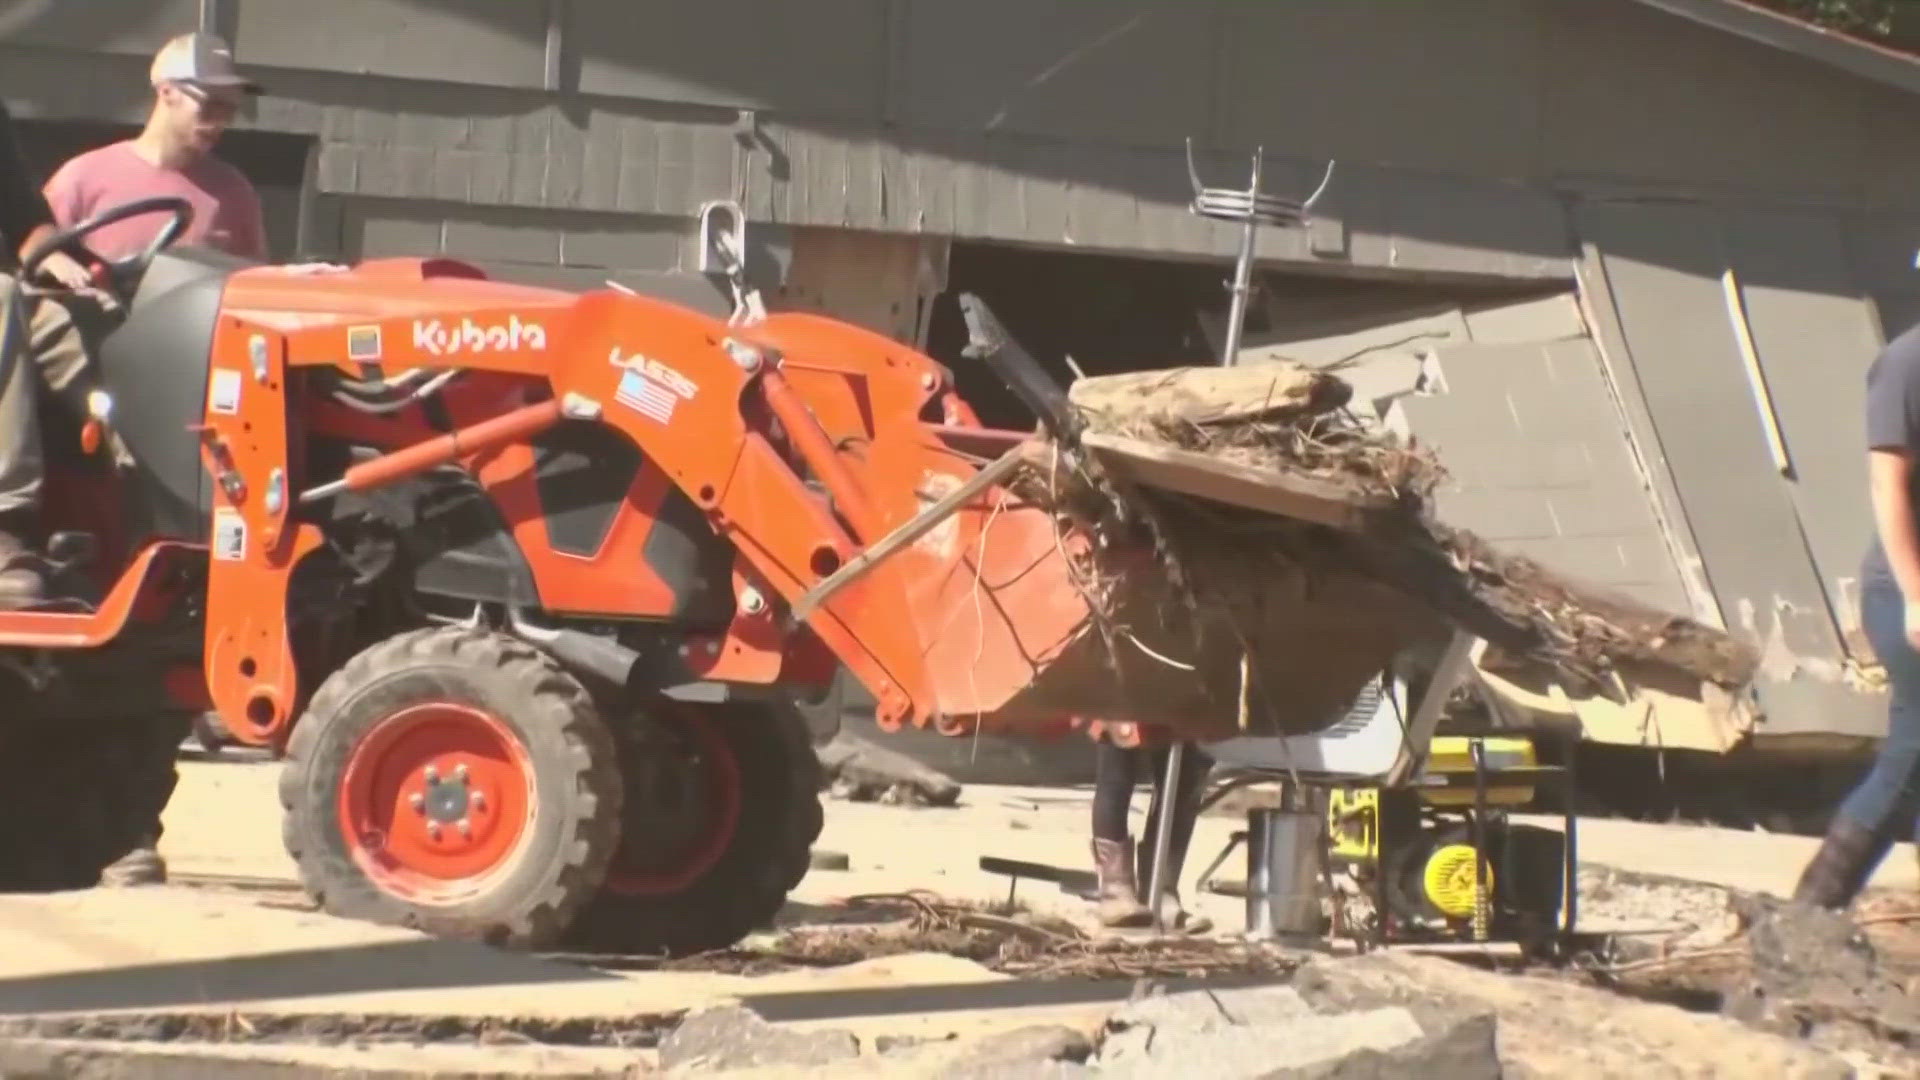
438, 339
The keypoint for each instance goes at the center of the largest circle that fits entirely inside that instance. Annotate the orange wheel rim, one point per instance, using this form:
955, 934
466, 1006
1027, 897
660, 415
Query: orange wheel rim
673, 833
435, 802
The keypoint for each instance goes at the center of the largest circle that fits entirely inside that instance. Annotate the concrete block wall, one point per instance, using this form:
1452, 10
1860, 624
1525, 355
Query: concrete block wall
648, 253
1540, 465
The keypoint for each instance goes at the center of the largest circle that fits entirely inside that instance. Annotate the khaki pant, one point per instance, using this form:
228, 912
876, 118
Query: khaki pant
55, 353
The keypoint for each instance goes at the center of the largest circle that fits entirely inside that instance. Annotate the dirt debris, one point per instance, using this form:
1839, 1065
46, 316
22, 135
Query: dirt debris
1006, 941
1812, 976
1292, 420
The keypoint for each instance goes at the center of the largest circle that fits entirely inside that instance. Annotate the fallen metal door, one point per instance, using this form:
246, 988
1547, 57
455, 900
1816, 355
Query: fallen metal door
1665, 266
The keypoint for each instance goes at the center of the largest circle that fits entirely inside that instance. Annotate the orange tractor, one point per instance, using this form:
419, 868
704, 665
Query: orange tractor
534, 591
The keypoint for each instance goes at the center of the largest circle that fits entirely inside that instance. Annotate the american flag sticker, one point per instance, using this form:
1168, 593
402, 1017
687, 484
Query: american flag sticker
648, 397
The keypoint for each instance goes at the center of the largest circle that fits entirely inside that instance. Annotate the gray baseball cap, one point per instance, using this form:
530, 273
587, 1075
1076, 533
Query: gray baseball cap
200, 60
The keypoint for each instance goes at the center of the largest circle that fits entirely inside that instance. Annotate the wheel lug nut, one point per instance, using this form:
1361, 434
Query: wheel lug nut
466, 827
433, 829
479, 800
417, 801
432, 774
460, 772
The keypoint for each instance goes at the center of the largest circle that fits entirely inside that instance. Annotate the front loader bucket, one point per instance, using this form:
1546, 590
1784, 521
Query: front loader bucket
1021, 628
1020, 637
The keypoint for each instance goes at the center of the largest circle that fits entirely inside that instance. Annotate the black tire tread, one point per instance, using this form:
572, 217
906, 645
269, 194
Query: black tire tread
533, 921
772, 852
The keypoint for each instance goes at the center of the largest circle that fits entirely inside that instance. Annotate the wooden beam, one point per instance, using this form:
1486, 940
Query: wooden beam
1271, 491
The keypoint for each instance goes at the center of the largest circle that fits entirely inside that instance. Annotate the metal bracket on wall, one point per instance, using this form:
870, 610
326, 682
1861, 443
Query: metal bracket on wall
723, 252
1251, 209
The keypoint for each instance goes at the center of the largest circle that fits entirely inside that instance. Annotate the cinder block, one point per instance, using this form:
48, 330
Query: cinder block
491, 181
655, 246
374, 127
506, 236
1498, 514
453, 175
338, 168
489, 133
391, 231
528, 179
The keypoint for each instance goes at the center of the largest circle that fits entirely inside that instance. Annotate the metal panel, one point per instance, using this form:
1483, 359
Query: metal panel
1370, 80
114, 26
819, 58
1815, 337
1636, 93
1125, 71
492, 43
1664, 263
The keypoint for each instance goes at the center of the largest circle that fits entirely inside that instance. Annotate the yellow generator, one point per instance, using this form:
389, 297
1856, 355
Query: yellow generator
1403, 859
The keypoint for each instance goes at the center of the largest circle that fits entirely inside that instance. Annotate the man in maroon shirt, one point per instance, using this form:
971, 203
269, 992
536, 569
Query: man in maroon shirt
197, 93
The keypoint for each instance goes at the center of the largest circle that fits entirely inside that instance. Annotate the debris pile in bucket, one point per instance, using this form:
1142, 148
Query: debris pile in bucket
1293, 421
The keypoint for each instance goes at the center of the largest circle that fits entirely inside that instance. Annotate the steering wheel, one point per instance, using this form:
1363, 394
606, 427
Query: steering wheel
129, 268
14, 331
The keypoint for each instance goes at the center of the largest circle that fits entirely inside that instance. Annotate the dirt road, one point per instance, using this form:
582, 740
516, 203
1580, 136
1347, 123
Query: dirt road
234, 945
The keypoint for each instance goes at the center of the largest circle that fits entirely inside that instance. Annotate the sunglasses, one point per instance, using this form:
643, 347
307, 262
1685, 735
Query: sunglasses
220, 104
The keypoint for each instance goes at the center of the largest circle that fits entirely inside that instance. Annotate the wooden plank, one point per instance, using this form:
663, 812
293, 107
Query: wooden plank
1267, 490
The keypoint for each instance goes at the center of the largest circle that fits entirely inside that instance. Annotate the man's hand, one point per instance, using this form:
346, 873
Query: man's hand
1912, 624
67, 270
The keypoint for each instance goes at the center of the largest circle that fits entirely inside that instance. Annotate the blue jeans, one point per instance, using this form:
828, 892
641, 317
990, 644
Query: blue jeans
1887, 800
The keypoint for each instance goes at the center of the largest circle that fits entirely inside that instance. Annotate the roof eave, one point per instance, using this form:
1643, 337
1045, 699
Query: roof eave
1849, 54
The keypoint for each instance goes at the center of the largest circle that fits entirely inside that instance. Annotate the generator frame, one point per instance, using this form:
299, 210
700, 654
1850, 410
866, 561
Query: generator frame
1372, 752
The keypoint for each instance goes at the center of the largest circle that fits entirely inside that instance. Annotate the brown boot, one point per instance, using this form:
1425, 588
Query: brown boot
1119, 904
1839, 869
21, 584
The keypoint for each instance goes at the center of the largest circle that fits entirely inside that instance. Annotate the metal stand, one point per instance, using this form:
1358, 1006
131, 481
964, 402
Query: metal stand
1252, 209
1169, 800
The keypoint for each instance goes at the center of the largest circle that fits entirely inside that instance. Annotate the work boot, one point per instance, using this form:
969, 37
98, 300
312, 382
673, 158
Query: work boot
141, 866
1119, 894
21, 583
1839, 869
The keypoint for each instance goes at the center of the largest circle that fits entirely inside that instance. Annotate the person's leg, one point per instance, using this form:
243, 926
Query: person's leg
1194, 766
1113, 780
59, 356
1883, 805
49, 340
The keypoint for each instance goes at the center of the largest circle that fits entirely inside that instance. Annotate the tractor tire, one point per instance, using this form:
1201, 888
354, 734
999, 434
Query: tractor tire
677, 892
73, 802
457, 782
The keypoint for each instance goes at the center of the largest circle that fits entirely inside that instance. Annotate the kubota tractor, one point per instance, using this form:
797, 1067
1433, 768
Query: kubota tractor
533, 590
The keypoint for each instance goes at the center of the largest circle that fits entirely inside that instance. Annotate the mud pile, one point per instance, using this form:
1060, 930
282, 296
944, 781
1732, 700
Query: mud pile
1224, 559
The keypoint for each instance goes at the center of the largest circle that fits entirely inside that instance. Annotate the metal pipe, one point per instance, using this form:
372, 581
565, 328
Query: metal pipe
1242, 275
818, 452
1169, 800
508, 427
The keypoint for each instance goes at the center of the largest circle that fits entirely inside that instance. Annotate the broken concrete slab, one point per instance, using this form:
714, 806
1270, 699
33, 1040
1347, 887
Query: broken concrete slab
1211, 1010
1025, 1047
863, 771
1551, 1028
735, 1037
1469, 1049
26, 1059
1246, 1052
